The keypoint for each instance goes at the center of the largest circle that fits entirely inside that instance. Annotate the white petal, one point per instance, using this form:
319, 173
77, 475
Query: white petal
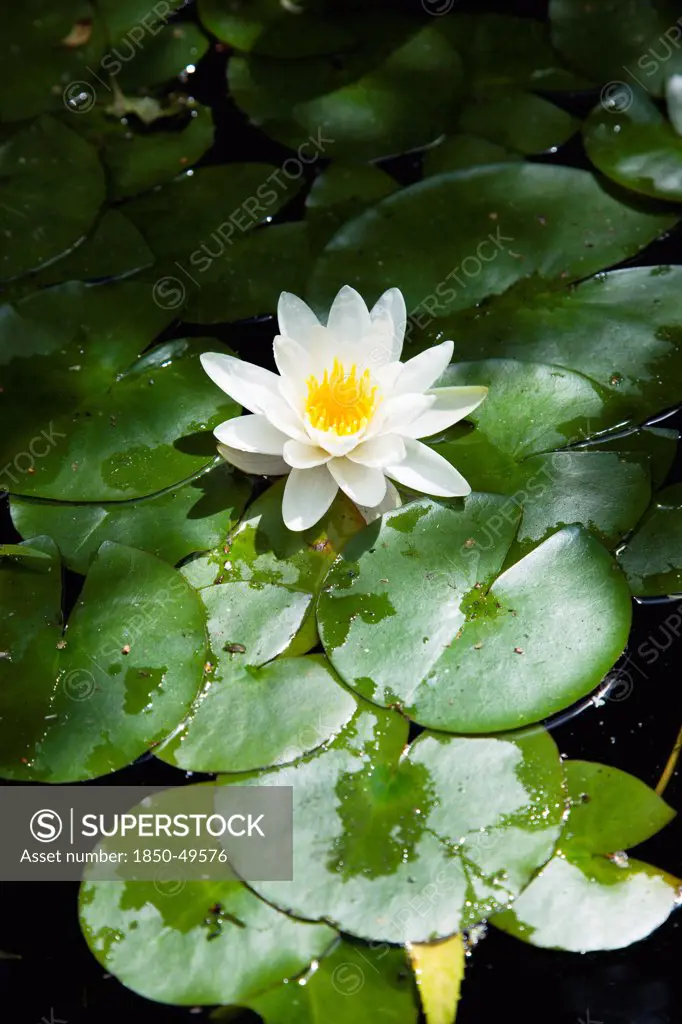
335, 444
283, 416
250, 385
348, 318
362, 484
379, 451
392, 305
251, 434
292, 359
398, 411
425, 470
296, 319
450, 406
304, 456
391, 500
307, 496
254, 462
422, 371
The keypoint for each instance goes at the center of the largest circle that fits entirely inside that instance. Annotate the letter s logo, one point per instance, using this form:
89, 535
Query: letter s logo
46, 826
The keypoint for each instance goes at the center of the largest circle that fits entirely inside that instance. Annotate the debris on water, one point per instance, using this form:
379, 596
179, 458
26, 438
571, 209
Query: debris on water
619, 858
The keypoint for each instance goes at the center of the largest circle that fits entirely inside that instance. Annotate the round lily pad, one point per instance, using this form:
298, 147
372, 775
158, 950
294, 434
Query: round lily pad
88, 699
599, 42
151, 430
394, 92
396, 845
634, 312
452, 240
171, 942
652, 558
193, 517
452, 639
517, 120
274, 29
51, 189
461, 151
636, 147
114, 248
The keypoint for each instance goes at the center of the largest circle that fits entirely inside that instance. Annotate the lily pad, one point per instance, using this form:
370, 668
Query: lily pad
518, 121
201, 214
605, 46
500, 50
249, 277
52, 187
151, 430
160, 56
42, 54
262, 550
168, 942
343, 191
452, 240
637, 148
350, 968
139, 162
582, 901
114, 248
82, 702
272, 29
461, 151
395, 92
253, 714
254, 717
611, 810
123, 16
62, 346
196, 516
635, 313
415, 844
459, 644
652, 557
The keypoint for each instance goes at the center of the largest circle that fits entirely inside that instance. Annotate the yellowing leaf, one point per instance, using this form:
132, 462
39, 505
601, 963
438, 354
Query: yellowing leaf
439, 970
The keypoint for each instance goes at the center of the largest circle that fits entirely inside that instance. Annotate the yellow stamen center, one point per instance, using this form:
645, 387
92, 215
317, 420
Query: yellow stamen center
342, 402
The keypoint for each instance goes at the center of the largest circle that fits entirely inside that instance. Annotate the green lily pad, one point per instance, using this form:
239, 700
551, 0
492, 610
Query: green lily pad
262, 550
652, 557
168, 942
611, 810
122, 17
162, 55
635, 313
149, 431
272, 29
600, 43
193, 517
41, 54
459, 644
254, 717
86, 701
248, 279
531, 408
254, 714
393, 93
343, 191
637, 148
114, 248
51, 189
581, 900
381, 974
201, 214
62, 346
452, 240
412, 845
139, 162
657, 444
501, 50
582, 903
461, 151
518, 121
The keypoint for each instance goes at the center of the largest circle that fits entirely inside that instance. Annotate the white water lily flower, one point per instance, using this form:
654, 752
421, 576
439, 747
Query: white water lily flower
343, 412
